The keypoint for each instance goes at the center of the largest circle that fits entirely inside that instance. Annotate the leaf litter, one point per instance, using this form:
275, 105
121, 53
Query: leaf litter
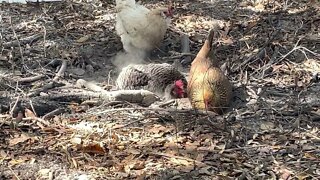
272, 132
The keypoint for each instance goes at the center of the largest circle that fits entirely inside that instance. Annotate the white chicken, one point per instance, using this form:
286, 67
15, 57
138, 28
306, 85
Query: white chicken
141, 30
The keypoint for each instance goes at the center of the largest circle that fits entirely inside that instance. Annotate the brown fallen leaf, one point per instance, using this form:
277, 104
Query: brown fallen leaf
226, 40
200, 157
157, 128
142, 175
171, 145
134, 151
285, 174
29, 113
20, 139
192, 146
180, 161
94, 148
134, 165
76, 141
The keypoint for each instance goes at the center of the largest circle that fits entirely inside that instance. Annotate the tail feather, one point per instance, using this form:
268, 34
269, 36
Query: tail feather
205, 49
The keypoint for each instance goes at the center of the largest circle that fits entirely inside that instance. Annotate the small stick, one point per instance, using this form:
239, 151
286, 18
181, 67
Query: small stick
14, 173
14, 106
61, 71
159, 109
178, 157
52, 113
16, 37
125, 125
34, 111
30, 79
44, 41
46, 87
80, 83
180, 55
36, 119
22, 41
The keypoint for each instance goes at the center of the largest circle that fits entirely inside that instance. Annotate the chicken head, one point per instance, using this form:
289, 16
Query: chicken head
176, 90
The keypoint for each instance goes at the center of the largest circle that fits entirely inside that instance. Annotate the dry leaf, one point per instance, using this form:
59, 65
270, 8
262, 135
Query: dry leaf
226, 41
171, 145
44, 173
186, 169
206, 170
16, 161
138, 165
76, 140
192, 146
134, 151
134, 165
17, 140
200, 157
156, 129
141, 176
267, 126
74, 162
285, 174
259, 7
29, 113
83, 39
94, 149
180, 161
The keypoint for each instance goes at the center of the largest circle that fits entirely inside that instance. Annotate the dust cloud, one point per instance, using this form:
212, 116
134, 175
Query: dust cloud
123, 59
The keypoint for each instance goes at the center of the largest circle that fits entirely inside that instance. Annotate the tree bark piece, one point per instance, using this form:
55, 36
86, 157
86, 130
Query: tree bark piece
142, 97
185, 49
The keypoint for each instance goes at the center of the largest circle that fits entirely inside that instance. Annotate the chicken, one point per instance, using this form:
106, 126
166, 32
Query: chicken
208, 87
141, 30
162, 79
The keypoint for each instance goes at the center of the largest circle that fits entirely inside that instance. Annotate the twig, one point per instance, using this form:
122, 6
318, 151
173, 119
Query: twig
292, 50
52, 113
44, 41
182, 55
16, 37
30, 79
296, 47
125, 125
36, 119
34, 111
82, 83
109, 76
22, 41
45, 88
232, 149
167, 103
14, 106
179, 157
262, 50
198, 112
14, 173
61, 71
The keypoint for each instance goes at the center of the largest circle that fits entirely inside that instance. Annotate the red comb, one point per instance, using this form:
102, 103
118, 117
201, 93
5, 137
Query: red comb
179, 83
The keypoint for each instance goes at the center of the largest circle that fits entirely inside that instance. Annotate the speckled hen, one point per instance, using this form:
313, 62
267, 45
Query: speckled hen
162, 79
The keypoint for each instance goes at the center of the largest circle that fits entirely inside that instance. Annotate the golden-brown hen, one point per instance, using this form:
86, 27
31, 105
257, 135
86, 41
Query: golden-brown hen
208, 87
141, 30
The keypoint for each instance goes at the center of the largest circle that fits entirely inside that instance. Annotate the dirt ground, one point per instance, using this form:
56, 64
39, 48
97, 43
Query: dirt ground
272, 53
